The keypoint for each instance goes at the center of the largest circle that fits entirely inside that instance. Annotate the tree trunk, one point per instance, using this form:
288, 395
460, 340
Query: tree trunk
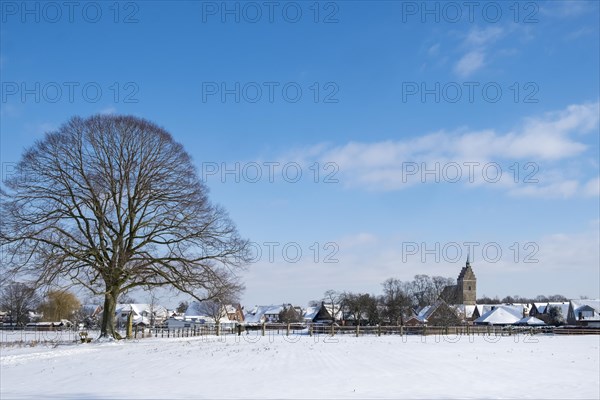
107, 328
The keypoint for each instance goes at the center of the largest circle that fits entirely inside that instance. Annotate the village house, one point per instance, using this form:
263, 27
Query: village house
501, 315
143, 314
322, 314
584, 312
437, 314
235, 312
268, 314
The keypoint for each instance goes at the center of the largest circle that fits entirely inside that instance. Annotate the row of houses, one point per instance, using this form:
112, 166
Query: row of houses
455, 306
579, 312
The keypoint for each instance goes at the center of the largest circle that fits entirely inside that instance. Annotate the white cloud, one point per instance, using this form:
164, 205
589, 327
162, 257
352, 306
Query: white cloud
482, 37
544, 140
469, 63
434, 50
564, 189
477, 42
477, 45
565, 9
592, 187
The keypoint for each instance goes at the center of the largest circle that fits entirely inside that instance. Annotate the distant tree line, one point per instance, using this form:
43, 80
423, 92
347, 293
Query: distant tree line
19, 300
399, 298
519, 299
392, 306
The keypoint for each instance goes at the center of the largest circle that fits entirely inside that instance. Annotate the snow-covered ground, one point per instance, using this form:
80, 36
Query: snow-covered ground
307, 367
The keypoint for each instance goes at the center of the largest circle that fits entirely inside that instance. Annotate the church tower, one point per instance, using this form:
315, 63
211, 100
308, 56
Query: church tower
466, 289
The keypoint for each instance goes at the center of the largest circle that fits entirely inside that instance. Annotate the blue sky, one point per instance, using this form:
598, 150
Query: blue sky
388, 90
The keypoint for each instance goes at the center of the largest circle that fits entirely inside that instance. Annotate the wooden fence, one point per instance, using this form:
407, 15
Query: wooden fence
65, 335
332, 330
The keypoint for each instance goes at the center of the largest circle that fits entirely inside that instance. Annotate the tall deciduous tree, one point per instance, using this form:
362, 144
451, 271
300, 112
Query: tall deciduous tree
396, 300
333, 300
114, 203
18, 299
59, 304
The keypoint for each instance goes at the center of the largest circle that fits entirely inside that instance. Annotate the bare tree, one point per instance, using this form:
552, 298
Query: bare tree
18, 299
334, 300
215, 309
421, 290
125, 298
361, 308
396, 300
152, 304
438, 284
114, 203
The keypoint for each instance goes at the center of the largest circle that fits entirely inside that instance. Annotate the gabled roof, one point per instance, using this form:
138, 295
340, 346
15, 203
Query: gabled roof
464, 310
137, 308
531, 321
466, 272
501, 315
202, 309
311, 313
255, 316
586, 304
540, 307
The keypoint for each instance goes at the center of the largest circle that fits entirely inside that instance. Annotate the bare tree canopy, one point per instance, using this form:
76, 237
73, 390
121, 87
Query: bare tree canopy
18, 299
114, 203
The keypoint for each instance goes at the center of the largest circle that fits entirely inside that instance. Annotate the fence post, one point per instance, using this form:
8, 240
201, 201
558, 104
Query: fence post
357, 330
401, 330
263, 329
136, 329
332, 329
378, 330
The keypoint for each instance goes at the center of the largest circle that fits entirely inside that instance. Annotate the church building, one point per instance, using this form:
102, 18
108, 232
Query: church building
465, 290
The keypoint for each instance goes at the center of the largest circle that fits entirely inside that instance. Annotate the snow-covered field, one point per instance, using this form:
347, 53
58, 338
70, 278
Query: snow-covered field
307, 367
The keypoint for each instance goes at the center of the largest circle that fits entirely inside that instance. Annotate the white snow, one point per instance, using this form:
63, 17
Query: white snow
501, 315
308, 367
530, 321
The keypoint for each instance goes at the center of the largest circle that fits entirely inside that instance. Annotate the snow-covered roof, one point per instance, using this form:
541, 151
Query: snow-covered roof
423, 311
311, 313
464, 310
501, 315
231, 309
578, 305
541, 307
137, 309
258, 313
141, 320
205, 312
338, 310
532, 321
